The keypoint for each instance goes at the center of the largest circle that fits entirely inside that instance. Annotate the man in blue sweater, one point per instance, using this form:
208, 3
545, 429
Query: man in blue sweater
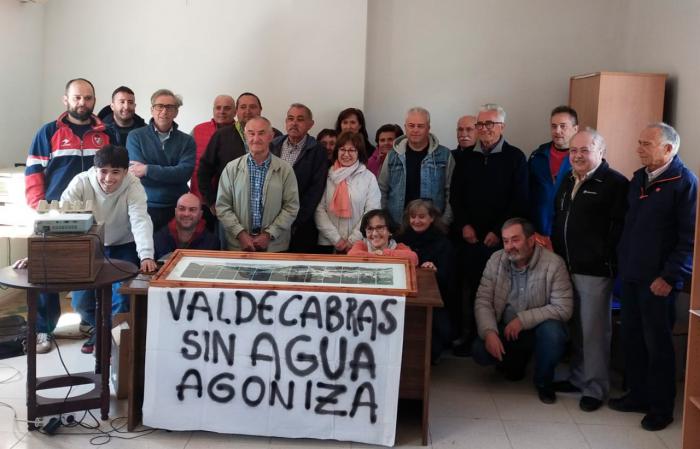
162, 157
655, 257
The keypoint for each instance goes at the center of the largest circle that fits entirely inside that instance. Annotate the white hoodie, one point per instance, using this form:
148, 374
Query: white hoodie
123, 212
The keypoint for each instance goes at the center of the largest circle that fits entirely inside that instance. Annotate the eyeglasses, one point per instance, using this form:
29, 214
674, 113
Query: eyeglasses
378, 228
349, 150
164, 107
488, 125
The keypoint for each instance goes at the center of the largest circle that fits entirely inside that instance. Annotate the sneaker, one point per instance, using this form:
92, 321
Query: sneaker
89, 345
654, 421
547, 395
43, 343
85, 328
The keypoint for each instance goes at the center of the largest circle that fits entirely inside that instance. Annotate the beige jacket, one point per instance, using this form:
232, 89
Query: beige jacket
280, 202
549, 292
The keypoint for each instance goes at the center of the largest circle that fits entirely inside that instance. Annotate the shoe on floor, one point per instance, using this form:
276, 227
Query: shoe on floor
589, 404
43, 343
85, 328
89, 345
654, 421
627, 404
547, 394
564, 386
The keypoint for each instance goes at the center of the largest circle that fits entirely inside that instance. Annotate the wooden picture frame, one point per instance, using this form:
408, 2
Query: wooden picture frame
325, 273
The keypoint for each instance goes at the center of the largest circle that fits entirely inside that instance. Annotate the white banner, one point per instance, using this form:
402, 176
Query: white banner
274, 363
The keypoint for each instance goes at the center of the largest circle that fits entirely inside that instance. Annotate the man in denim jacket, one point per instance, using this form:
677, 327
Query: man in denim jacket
417, 167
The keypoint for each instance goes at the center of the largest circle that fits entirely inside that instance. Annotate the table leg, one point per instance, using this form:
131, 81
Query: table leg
99, 320
32, 297
106, 350
426, 373
138, 319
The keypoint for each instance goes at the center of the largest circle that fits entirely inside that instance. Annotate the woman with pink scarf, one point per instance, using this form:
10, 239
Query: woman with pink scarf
351, 190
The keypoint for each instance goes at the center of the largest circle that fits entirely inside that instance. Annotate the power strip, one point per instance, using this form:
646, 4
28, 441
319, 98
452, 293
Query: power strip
52, 422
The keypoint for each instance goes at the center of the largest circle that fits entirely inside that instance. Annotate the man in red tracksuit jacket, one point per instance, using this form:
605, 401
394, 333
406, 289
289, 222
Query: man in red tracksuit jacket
60, 150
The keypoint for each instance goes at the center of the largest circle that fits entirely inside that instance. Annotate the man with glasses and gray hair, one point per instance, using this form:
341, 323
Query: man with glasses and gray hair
162, 157
589, 213
655, 256
489, 185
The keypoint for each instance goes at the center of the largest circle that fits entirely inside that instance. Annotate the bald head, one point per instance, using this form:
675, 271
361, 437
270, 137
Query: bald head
188, 212
466, 131
224, 110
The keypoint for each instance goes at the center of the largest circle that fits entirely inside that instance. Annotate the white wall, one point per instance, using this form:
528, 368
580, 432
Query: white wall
664, 37
382, 56
311, 51
453, 55
21, 43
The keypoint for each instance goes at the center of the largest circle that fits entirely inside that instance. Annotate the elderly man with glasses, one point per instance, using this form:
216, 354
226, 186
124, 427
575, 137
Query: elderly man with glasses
489, 185
162, 157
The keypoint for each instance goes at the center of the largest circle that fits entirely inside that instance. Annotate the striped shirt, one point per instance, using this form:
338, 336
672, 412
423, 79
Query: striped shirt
257, 175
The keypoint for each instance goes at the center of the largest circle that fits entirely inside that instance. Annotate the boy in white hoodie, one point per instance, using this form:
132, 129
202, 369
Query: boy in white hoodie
119, 201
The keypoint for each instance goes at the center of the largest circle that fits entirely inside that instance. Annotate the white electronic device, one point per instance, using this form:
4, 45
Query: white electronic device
63, 223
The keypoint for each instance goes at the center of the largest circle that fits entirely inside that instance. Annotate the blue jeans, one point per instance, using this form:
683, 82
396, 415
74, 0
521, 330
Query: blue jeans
84, 300
47, 313
547, 340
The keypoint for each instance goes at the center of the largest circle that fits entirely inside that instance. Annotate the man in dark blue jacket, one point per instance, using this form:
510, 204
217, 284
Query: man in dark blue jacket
655, 258
310, 164
162, 157
548, 166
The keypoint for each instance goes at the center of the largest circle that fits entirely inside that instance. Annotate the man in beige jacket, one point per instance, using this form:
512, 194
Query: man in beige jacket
521, 307
257, 199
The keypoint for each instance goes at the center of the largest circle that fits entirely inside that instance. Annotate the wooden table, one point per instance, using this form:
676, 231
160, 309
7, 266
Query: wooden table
415, 362
98, 397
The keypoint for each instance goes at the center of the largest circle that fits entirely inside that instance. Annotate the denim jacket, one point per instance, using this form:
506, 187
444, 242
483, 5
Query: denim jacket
435, 177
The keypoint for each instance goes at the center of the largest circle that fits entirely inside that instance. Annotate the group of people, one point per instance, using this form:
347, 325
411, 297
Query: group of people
526, 251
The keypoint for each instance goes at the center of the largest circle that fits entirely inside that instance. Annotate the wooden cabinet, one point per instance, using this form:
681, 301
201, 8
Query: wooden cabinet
619, 105
691, 401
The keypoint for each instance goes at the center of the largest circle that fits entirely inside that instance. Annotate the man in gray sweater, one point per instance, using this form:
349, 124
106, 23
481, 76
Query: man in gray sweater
522, 304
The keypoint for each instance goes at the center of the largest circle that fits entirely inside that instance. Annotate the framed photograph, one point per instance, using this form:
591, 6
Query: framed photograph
311, 272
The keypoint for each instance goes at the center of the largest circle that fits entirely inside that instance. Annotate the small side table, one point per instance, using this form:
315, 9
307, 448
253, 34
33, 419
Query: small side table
98, 397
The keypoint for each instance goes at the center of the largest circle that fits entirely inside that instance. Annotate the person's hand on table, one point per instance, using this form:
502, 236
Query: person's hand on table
148, 266
429, 265
21, 264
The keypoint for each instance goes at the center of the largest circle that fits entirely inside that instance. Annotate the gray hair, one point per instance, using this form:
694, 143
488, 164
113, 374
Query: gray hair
528, 228
166, 92
304, 107
419, 110
264, 119
494, 107
598, 139
668, 136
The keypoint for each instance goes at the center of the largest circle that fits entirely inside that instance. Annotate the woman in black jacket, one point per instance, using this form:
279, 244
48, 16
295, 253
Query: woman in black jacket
424, 232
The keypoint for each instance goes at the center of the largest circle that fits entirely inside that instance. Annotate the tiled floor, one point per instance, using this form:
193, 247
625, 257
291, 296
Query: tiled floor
471, 408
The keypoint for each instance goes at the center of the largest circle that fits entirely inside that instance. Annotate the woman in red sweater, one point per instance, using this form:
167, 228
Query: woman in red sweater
376, 227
